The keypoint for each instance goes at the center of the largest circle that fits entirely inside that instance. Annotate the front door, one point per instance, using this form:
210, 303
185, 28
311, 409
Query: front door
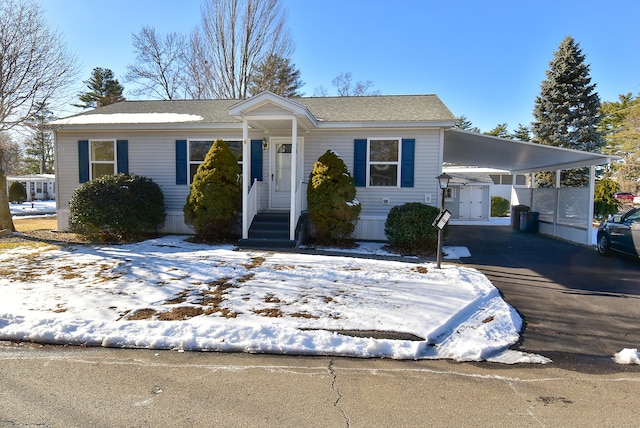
471, 202
280, 173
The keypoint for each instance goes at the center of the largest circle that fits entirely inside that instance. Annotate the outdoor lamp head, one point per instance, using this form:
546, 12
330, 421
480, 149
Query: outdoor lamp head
443, 180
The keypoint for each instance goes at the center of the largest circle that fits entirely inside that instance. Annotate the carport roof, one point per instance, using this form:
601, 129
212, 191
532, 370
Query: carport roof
474, 149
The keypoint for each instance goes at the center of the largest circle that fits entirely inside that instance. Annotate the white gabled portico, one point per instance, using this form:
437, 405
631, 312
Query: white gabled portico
272, 114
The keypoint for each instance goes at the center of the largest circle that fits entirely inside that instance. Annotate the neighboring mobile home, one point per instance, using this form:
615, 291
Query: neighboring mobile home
38, 186
394, 147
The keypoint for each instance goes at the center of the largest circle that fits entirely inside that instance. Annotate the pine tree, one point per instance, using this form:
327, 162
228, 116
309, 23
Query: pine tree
103, 89
462, 122
604, 203
501, 130
522, 133
567, 110
39, 149
214, 200
331, 199
277, 75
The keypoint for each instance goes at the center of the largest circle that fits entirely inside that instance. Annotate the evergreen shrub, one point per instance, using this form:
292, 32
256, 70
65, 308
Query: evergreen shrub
409, 231
117, 208
500, 207
331, 199
17, 192
215, 198
604, 203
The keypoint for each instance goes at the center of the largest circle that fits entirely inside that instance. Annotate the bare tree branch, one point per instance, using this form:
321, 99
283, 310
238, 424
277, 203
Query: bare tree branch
234, 37
34, 63
160, 64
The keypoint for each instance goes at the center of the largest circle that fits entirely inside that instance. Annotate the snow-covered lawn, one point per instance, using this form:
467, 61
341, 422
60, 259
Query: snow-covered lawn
167, 293
34, 208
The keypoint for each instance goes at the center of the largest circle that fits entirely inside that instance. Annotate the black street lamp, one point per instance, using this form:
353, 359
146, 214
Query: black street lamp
443, 182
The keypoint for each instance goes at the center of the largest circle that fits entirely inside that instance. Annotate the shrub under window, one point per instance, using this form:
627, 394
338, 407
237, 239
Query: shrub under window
117, 208
409, 230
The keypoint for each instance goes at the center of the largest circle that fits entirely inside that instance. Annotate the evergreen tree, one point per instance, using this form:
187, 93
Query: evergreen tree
276, 74
613, 114
103, 89
522, 133
331, 199
462, 122
39, 149
567, 110
215, 200
501, 130
603, 202
627, 139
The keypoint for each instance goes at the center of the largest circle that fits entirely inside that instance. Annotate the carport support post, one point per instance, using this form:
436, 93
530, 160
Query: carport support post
592, 186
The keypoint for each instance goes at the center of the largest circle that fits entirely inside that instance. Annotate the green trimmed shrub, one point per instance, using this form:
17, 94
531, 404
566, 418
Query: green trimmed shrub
604, 203
409, 231
331, 199
117, 208
17, 192
215, 198
500, 207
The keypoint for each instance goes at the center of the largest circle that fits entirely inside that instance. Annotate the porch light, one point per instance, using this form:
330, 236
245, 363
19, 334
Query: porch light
443, 182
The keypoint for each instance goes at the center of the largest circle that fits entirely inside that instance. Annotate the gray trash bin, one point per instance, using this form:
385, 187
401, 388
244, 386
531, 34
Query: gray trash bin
516, 214
529, 221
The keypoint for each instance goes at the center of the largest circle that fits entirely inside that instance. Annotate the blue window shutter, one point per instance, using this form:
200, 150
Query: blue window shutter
123, 156
83, 160
181, 161
256, 160
360, 163
407, 162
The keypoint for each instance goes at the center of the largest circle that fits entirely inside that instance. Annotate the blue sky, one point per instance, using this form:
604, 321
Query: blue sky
484, 59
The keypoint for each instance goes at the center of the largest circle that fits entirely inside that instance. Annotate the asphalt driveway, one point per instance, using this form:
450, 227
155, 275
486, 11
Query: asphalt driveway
572, 299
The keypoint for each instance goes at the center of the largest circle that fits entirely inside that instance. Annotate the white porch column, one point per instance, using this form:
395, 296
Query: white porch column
294, 177
246, 177
592, 187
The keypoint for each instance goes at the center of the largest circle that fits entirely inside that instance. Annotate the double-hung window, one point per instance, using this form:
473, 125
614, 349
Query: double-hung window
198, 150
383, 157
102, 158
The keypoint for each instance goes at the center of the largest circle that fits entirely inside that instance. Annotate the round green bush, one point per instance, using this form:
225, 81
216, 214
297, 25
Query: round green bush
17, 192
215, 198
500, 207
331, 199
409, 231
117, 208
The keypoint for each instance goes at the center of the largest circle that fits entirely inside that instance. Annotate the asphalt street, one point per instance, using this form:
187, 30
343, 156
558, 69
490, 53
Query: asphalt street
98, 387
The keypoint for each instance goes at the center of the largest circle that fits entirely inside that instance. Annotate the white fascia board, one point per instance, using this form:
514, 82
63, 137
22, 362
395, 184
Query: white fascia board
385, 125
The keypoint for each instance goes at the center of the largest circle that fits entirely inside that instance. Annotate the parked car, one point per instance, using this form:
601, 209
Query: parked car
624, 196
620, 233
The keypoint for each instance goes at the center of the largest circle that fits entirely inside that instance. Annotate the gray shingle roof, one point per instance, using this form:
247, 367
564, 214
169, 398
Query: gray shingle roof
386, 108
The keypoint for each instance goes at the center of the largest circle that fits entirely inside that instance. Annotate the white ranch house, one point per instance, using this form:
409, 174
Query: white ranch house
38, 186
394, 146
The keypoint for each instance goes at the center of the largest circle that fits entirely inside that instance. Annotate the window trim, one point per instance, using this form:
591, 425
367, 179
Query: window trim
397, 163
113, 162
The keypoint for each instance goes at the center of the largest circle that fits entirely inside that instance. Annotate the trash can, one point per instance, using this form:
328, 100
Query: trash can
529, 221
516, 213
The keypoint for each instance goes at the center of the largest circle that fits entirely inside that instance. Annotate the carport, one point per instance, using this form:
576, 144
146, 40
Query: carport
566, 213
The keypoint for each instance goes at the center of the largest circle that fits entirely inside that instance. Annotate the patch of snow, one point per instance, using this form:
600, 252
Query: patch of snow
271, 302
128, 118
627, 356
